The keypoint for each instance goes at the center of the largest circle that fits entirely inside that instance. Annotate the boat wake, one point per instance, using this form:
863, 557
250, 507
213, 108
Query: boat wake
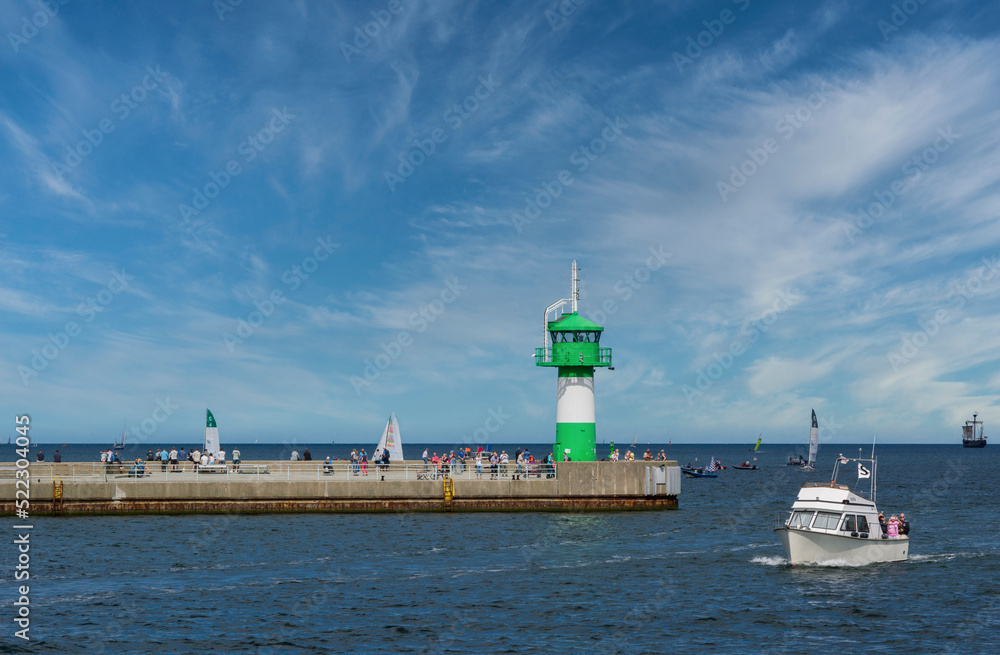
769, 561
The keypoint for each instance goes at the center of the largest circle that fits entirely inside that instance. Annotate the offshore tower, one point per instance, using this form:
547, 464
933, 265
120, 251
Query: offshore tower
576, 351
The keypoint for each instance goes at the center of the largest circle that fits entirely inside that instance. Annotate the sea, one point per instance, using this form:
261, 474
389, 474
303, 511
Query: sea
710, 577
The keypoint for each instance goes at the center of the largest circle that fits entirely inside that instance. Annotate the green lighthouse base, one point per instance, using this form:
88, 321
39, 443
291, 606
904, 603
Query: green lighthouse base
580, 438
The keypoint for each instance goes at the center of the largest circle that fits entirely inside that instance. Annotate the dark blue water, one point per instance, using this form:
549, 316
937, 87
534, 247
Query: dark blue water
708, 578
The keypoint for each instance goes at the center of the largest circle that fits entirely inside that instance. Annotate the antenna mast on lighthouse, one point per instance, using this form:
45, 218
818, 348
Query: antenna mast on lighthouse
574, 293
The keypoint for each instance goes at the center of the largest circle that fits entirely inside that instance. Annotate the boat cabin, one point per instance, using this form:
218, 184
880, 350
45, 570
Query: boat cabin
834, 509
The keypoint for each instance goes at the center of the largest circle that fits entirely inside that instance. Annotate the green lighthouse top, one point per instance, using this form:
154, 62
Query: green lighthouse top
573, 323
575, 339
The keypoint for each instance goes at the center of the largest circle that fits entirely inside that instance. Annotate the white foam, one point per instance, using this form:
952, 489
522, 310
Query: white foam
769, 561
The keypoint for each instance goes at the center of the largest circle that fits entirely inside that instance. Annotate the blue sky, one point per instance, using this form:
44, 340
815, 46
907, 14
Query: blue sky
775, 207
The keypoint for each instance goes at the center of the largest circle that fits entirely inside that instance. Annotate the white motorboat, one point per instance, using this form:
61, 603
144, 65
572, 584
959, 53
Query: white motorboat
830, 524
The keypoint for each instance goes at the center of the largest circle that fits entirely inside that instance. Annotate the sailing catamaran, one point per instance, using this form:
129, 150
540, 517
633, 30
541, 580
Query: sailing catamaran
759, 438
211, 444
120, 446
390, 440
810, 464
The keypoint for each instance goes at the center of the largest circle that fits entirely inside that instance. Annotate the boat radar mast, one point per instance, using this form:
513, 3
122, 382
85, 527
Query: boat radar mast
575, 351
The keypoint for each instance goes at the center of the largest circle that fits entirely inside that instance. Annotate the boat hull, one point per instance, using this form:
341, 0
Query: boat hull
810, 547
974, 443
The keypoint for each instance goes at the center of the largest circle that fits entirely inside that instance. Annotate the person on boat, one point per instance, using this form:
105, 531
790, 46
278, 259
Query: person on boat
904, 525
893, 528
881, 522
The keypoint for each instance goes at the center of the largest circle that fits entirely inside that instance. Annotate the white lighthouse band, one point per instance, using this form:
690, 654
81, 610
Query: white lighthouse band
575, 398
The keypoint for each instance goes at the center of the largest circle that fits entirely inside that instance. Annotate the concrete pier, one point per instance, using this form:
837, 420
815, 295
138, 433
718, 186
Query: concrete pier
306, 487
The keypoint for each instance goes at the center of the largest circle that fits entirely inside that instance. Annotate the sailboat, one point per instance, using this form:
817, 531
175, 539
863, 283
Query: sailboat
759, 438
971, 438
810, 464
390, 440
211, 444
120, 446
635, 439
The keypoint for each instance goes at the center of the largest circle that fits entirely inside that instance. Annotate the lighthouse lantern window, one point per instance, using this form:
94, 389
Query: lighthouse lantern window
576, 337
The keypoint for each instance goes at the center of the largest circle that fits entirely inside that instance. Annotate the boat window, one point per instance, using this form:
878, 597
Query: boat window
800, 519
862, 524
849, 524
826, 521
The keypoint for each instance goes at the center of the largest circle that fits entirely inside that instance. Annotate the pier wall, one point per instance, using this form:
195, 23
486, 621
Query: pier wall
301, 487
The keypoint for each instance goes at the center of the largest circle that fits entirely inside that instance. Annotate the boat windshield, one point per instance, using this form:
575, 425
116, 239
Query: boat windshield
800, 519
826, 521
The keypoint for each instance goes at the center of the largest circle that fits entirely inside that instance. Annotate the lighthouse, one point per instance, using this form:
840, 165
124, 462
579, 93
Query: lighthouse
575, 351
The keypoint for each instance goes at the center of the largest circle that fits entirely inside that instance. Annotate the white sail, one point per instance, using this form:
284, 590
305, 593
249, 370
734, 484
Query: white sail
391, 441
211, 444
813, 441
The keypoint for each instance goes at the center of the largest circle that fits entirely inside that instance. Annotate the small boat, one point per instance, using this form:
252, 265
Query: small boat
698, 473
211, 443
746, 467
635, 439
120, 446
759, 438
971, 438
829, 523
810, 464
391, 440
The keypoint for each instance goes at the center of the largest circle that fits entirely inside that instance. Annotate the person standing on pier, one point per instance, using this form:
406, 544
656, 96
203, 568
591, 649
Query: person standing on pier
236, 459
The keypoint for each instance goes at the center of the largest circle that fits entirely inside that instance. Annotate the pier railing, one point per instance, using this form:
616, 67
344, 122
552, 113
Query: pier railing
45, 472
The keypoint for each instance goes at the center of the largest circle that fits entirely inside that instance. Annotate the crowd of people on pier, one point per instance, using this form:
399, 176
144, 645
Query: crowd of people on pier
171, 460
